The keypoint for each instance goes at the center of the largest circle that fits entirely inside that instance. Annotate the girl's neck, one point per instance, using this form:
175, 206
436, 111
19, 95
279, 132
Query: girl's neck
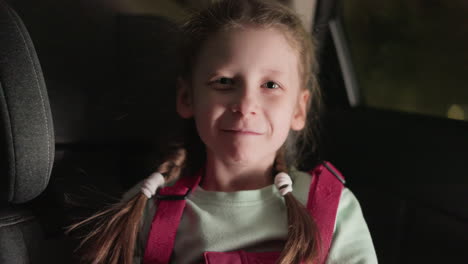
228, 177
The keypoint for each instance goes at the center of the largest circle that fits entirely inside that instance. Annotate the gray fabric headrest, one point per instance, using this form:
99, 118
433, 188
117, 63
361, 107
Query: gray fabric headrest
26, 131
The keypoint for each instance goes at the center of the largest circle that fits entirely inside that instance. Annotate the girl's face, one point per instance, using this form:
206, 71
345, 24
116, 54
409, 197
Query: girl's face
245, 94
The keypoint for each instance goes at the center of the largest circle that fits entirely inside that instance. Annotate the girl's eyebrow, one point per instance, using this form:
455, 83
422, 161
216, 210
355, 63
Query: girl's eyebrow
212, 74
272, 71
264, 71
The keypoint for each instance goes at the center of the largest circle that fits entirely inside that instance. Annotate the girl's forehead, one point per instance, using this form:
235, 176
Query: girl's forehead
265, 49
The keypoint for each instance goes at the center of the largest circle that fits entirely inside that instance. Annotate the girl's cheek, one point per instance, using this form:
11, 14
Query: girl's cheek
278, 103
209, 108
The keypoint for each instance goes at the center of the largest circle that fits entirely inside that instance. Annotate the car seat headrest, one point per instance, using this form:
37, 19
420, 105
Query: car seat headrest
27, 143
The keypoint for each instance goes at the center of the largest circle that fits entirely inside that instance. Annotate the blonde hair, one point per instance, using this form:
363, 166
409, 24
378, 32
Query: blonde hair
117, 227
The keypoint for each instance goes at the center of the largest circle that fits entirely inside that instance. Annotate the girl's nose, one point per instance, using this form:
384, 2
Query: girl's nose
245, 104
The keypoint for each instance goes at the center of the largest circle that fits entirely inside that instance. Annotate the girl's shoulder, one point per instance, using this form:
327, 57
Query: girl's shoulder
352, 242
301, 186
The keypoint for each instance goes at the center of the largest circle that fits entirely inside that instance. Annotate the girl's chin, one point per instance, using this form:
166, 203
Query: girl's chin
241, 160
245, 156
241, 154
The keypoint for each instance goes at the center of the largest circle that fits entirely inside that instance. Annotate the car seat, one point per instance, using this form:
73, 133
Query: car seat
26, 141
104, 135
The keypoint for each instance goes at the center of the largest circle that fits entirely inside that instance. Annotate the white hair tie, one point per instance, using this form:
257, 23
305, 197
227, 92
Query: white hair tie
284, 183
152, 183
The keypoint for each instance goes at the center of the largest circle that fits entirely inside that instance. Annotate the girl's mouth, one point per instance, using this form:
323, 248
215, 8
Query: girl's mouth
241, 132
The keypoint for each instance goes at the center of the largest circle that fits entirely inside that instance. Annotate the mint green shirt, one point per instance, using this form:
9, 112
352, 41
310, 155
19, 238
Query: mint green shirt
255, 220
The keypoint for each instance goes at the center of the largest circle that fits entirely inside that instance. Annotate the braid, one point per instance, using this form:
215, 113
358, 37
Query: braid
173, 165
302, 242
280, 161
115, 229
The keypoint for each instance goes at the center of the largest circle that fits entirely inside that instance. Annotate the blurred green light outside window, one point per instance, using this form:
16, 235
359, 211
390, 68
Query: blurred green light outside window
410, 56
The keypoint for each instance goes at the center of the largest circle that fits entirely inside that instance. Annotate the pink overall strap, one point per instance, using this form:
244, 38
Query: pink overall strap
324, 197
170, 203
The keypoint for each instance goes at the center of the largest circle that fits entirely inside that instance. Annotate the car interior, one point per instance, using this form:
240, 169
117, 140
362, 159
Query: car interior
85, 104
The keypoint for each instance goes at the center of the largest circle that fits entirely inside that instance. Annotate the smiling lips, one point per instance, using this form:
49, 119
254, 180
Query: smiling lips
241, 132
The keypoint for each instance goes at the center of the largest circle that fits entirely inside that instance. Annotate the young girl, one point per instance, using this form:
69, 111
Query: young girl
249, 85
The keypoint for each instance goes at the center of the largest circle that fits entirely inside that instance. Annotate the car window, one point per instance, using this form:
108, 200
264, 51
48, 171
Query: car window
410, 56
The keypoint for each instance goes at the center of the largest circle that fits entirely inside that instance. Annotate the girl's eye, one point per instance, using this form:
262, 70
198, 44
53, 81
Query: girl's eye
271, 85
224, 80
223, 84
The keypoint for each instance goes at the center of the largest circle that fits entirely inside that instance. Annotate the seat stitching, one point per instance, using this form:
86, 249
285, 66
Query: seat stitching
12, 137
40, 94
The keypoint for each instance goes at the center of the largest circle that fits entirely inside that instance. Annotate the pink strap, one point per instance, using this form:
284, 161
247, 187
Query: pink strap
166, 220
324, 197
240, 257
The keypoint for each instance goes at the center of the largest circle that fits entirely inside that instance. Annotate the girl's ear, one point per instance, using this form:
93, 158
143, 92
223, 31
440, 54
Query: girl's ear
300, 115
184, 99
